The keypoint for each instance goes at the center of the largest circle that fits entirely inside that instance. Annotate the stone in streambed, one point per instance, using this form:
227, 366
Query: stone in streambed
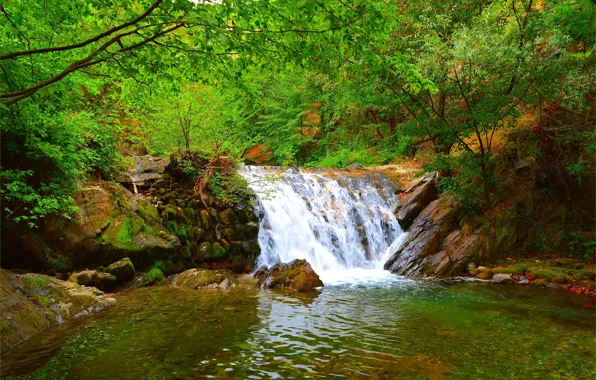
205, 279
123, 269
297, 275
502, 278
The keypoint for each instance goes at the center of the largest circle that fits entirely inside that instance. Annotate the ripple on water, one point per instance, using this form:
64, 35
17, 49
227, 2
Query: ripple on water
405, 330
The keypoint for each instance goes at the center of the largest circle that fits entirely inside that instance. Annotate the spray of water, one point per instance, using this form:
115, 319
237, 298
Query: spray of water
341, 223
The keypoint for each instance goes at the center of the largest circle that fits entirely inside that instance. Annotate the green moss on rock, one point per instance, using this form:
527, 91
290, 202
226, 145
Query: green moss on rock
123, 269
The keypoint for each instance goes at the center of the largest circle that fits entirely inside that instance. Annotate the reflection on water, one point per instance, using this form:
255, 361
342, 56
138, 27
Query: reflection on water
399, 329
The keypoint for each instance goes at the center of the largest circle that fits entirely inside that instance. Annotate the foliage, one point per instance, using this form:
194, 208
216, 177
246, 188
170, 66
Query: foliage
319, 83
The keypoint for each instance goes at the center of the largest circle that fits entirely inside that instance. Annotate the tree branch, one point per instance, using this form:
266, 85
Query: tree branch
86, 42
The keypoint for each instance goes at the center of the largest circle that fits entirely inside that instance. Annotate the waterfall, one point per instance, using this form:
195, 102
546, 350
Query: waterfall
340, 222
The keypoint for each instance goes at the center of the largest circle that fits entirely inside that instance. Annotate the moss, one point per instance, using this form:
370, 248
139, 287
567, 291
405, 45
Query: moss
218, 250
168, 267
128, 228
34, 282
550, 274
171, 226
60, 264
154, 276
586, 274
147, 211
503, 270
41, 300
123, 269
4, 326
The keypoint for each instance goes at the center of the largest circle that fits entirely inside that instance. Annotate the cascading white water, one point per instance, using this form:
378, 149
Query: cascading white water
343, 225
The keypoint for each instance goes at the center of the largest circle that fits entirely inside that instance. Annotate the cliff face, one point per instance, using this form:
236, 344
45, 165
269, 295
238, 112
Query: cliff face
147, 216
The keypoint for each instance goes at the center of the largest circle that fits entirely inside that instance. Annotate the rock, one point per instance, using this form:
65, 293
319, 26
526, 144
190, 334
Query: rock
205, 278
471, 269
33, 302
227, 217
523, 280
123, 269
418, 197
485, 275
154, 277
355, 166
502, 278
297, 275
481, 269
258, 155
168, 267
110, 224
100, 280
148, 168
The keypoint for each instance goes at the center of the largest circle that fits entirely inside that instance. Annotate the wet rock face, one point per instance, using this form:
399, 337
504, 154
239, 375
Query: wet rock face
205, 279
434, 246
417, 198
297, 275
165, 223
32, 302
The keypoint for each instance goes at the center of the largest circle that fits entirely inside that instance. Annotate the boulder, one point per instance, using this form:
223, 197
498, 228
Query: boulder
417, 198
110, 224
154, 277
297, 275
123, 269
33, 302
100, 280
205, 279
502, 278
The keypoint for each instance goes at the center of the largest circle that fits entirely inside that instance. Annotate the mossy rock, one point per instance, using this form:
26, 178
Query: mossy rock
123, 269
154, 277
219, 252
147, 211
33, 302
227, 217
168, 267
206, 220
100, 280
205, 278
205, 250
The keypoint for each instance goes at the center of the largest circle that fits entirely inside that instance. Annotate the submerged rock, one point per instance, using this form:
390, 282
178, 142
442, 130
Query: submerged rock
297, 275
205, 279
32, 302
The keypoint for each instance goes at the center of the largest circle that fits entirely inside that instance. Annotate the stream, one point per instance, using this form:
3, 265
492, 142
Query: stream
365, 323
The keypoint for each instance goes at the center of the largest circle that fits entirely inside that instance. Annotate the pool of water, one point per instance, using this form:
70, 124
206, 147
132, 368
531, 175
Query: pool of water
393, 329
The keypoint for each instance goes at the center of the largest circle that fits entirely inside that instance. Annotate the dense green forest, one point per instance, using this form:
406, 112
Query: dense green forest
467, 87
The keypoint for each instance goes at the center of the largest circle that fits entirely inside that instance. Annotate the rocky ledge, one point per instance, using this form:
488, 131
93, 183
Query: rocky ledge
32, 302
435, 244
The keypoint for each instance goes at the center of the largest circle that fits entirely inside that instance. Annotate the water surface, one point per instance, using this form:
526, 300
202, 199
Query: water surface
385, 330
